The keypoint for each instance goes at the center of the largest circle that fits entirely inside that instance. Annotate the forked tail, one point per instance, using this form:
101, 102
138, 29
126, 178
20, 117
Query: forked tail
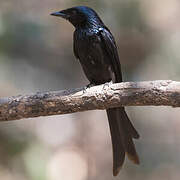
122, 134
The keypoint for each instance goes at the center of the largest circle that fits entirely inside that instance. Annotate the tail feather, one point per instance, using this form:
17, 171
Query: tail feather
129, 133
128, 124
122, 132
117, 141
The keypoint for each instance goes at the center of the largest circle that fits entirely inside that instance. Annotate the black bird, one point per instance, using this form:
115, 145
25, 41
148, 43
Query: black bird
95, 48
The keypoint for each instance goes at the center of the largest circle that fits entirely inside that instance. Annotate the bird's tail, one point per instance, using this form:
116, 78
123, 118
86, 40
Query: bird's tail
122, 134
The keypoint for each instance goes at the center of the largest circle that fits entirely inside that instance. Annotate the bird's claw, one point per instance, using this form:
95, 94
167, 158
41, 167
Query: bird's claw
88, 86
107, 84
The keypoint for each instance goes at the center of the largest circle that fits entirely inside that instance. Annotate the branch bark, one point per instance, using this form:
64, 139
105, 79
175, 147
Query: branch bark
147, 93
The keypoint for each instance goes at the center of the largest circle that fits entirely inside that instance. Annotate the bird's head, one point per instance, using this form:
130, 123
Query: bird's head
79, 15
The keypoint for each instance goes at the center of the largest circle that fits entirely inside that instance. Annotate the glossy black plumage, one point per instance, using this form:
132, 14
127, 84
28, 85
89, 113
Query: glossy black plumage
96, 50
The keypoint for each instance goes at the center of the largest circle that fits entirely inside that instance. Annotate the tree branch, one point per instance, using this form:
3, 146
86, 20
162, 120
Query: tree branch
148, 93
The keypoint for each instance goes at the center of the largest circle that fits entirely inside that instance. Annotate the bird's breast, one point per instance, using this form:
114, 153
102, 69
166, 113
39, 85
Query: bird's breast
93, 57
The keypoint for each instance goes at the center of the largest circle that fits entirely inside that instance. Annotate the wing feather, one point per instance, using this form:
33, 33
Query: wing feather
109, 46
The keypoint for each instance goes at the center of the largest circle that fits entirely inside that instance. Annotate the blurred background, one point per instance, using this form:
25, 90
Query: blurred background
36, 55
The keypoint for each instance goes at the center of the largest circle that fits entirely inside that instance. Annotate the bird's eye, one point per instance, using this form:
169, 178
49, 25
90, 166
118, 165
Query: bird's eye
74, 12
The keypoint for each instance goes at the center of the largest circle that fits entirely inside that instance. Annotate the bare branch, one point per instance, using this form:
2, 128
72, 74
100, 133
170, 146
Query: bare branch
148, 93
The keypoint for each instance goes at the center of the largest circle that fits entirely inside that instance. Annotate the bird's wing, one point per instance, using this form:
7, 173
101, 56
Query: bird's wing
109, 46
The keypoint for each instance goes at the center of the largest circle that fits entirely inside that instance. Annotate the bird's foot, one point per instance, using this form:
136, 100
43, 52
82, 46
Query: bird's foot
88, 86
107, 84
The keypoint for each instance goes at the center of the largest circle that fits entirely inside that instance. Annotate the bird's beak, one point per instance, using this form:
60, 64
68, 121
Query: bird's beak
60, 14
